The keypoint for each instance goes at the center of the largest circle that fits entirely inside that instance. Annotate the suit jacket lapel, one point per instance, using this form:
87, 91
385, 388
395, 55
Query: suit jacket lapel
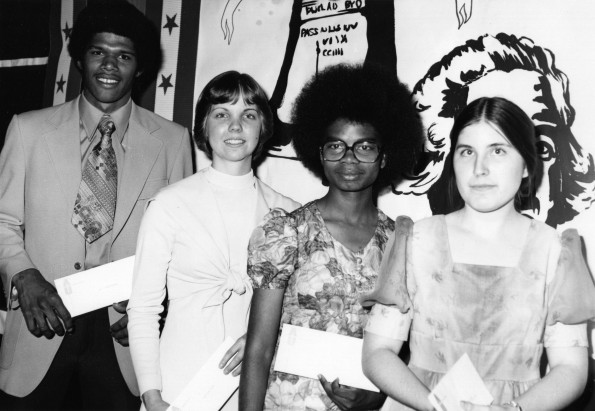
64, 148
141, 153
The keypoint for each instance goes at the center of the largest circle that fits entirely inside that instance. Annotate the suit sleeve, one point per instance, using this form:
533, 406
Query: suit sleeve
13, 164
182, 166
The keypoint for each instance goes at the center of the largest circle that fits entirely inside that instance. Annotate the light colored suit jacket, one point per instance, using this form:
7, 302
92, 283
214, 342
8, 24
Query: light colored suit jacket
40, 173
183, 245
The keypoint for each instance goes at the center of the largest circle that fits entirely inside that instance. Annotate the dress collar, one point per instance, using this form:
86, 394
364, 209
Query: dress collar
228, 181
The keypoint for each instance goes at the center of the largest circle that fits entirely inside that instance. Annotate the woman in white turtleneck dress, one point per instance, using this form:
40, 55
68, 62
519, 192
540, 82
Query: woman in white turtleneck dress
192, 245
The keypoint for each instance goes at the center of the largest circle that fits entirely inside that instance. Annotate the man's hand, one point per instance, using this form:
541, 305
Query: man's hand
233, 357
43, 309
119, 329
349, 398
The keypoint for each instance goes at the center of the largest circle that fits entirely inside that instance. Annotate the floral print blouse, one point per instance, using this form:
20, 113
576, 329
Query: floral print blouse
323, 281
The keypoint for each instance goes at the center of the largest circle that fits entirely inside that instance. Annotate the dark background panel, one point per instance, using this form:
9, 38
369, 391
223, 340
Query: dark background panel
24, 29
21, 89
23, 34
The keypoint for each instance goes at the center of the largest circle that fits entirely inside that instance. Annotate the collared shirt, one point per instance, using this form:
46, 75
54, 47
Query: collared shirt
97, 253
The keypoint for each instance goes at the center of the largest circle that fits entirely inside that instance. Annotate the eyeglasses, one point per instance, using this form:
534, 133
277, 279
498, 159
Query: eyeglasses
363, 151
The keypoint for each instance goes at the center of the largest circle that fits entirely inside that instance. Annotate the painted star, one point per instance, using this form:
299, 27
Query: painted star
60, 84
171, 23
67, 32
165, 83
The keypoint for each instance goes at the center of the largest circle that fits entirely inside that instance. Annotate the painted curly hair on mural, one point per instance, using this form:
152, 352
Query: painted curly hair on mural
479, 68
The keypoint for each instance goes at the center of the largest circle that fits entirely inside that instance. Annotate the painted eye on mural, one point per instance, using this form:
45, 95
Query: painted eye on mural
545, 150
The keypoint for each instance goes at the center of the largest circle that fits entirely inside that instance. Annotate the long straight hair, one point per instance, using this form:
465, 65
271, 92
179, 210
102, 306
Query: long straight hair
518, 129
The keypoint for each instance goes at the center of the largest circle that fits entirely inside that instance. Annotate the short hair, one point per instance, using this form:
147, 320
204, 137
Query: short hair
228, 87
516, 126
123, 19
362, 94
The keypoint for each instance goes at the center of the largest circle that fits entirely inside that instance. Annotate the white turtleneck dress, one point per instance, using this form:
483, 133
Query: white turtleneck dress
193, 244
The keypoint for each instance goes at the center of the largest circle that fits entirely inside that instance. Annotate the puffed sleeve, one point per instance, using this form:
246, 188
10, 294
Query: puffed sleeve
391, 286
571, 298
391, 314
272, 251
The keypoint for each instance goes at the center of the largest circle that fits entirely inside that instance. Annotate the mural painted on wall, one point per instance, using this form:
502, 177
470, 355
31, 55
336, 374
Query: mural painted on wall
568, 186
312, 36
537, 53
530, 52
322, 34
471, 59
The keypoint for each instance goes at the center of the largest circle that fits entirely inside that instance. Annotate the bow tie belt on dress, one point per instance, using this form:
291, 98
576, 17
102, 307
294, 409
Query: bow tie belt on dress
224, 287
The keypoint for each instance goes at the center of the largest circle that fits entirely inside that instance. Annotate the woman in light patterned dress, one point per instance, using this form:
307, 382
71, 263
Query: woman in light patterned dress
357, 129
485, 281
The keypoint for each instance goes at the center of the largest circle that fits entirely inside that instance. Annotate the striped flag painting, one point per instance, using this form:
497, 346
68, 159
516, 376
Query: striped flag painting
62, 78
282, 43
171, 95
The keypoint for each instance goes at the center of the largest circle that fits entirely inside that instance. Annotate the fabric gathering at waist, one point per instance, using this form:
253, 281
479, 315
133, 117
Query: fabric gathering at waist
213, 289
493, 362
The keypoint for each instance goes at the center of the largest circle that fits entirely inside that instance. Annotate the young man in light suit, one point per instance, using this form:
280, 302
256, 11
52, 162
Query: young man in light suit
47, 230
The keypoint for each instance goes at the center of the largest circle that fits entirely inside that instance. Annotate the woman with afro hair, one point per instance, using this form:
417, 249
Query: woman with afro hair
357, 130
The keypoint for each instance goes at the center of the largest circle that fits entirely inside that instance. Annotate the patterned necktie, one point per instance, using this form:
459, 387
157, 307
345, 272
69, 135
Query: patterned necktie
95, 204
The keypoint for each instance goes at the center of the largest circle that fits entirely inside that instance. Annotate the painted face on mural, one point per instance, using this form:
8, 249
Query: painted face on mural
510, 67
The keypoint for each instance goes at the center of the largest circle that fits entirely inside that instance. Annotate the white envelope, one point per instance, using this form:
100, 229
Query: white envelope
461, 383
97, 287
209, 389
306, 352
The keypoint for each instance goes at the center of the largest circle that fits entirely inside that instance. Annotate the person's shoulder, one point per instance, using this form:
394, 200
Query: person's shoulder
545, 234
49, 115
542, 227
429, 227
181, 189
154, 122
304, 212
299, 216
42, 113
276, 199
431, 221
402, 224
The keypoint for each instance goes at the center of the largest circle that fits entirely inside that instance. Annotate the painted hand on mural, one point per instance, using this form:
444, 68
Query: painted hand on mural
464, 9
227, 25
500, 64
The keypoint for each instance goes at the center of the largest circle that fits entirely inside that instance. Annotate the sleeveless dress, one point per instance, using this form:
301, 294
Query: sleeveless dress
323, 282
502, 317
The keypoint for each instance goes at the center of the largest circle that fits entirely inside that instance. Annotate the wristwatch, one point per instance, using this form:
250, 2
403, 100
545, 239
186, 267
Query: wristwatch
514, 404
